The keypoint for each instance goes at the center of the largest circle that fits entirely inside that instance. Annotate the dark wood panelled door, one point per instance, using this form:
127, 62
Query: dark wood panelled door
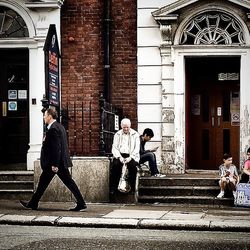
14, 106
213, 114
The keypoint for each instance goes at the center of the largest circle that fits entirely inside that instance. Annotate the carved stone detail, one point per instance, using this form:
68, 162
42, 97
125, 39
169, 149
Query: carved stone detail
168, 115
166, 34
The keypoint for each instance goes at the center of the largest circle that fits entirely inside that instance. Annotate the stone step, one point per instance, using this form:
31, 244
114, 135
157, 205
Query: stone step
197, 200
178, 181
23, 185
179, 190
16, 184
202, 172
195, 187
13, 166
16, 175
123, 198
15, 194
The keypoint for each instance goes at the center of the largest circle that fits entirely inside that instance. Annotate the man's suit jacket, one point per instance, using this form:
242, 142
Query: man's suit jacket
55, 150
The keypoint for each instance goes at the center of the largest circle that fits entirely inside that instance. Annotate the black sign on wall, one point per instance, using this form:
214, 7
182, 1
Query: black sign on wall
52, 74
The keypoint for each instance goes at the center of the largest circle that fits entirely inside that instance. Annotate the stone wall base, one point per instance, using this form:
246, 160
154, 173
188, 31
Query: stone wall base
91, 175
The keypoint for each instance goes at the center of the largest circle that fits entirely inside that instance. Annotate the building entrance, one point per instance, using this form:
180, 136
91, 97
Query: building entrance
212, 111
14, 106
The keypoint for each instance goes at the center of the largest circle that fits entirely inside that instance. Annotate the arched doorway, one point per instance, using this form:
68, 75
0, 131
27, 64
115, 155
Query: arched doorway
212, 90
14, 92
212, 110
192, 32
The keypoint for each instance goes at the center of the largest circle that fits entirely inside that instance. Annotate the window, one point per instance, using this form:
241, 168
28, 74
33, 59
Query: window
212, 28
12, 24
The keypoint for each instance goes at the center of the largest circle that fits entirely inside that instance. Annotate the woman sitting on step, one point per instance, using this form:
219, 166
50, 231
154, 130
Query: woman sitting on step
245, 177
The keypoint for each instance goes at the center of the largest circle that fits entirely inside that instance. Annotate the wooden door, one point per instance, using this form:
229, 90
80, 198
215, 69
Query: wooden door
213, 118
14, 106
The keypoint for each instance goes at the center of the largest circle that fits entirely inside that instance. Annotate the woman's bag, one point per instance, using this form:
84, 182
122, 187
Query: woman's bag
242, 197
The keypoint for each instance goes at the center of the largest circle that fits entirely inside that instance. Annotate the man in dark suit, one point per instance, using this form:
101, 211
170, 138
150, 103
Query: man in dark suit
55, 159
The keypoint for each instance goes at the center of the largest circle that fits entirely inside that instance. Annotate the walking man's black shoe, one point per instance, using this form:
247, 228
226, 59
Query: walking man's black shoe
79, 208
27, 205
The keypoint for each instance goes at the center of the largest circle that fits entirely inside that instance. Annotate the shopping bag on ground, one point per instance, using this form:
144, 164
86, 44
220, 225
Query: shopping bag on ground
242, 197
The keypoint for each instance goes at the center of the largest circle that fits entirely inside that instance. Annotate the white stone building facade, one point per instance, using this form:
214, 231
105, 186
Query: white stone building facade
172, 35
37, 15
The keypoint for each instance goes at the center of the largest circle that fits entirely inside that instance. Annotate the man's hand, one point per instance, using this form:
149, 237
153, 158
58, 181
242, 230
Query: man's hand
127, 160
54, 169
154, 149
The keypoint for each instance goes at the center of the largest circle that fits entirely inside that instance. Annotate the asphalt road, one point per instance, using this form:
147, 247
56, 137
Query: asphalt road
43, 237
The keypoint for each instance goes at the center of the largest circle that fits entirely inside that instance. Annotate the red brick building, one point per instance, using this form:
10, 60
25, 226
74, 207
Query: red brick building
83, 27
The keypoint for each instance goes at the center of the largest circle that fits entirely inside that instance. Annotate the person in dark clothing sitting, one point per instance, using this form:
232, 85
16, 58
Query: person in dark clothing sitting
148, 155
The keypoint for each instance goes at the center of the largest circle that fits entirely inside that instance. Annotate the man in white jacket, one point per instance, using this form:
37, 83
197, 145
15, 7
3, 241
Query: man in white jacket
125, 149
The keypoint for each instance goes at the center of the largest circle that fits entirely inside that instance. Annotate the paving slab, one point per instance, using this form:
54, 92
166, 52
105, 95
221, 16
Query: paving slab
97, 222
226, 217
232, 224
174, 224
46, 220
183, 216
26, 219
137, 214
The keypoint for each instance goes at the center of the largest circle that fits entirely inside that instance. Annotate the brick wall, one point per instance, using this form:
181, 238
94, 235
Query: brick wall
124, 72
82, 67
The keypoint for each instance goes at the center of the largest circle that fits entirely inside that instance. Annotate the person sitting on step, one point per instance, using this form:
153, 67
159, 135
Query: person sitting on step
125, 149
229, 177
148, 155
245, 177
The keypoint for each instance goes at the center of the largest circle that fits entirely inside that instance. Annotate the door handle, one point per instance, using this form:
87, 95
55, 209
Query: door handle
218, 115
212, 115
218, 121
4, 108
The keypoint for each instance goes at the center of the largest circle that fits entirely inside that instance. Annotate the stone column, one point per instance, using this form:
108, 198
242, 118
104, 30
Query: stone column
168, 116
36, 91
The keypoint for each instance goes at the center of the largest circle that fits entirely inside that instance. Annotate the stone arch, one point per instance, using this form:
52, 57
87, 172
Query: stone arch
23, 14
215, 13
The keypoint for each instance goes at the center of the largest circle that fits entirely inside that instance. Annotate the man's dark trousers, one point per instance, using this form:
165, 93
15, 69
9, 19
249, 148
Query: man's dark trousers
45, 179
117, 171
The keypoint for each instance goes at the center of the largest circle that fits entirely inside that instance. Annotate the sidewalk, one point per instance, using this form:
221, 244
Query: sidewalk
143, 216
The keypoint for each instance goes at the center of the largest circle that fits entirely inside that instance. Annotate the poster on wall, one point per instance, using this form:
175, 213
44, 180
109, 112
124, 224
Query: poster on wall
12, 106
22, 94
195, 104
12, 94
52, 56
235, 108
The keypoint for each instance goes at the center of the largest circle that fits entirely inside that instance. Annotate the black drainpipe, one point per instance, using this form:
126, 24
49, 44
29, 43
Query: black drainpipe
107, 21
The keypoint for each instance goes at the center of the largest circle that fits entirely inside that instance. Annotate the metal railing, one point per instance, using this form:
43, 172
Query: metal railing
110, 121
77, 120
83, 136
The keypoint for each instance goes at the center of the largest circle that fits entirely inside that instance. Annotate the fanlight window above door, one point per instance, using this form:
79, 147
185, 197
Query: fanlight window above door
213, 28
12, 24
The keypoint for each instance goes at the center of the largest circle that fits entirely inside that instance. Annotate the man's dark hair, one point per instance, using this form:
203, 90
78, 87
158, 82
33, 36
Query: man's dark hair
148, 132
248, 150
227, 156
52, 112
